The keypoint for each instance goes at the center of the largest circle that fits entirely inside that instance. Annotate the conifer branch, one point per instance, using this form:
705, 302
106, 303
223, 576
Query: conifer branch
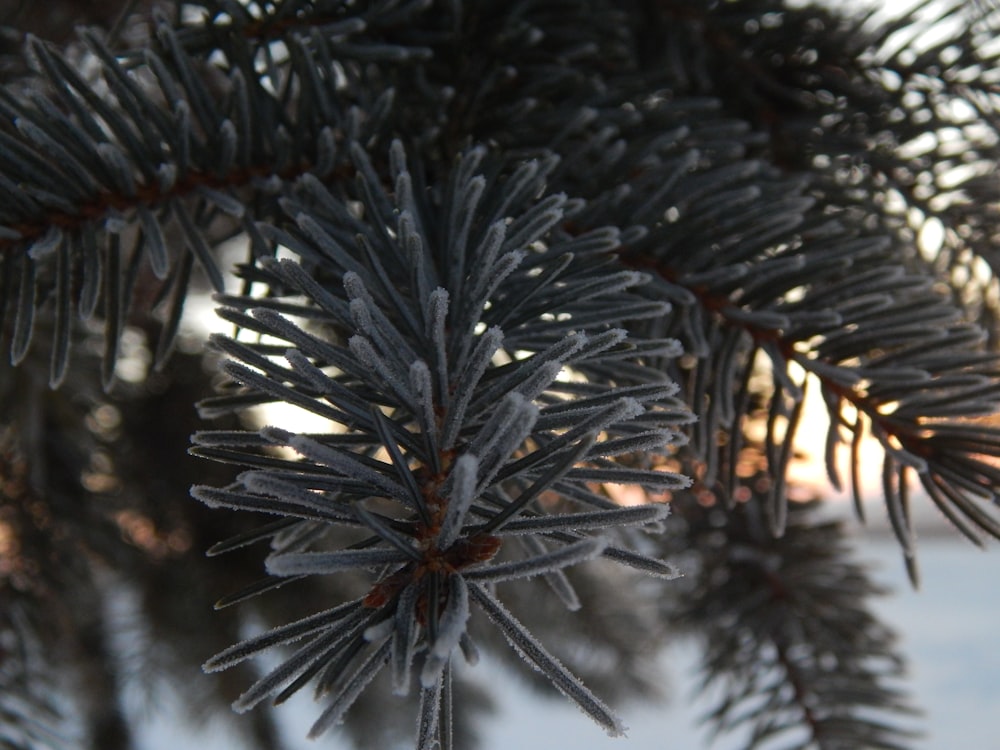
508, 252
787, 648
499, 432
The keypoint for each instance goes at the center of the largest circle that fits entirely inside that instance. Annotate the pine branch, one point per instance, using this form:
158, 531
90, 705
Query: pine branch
721, 205
158, 158
788, 637
890, 110
757, 274
760, 271
465, 395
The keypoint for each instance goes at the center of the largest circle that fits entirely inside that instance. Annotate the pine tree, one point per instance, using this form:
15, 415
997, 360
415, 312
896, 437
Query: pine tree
523, 260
